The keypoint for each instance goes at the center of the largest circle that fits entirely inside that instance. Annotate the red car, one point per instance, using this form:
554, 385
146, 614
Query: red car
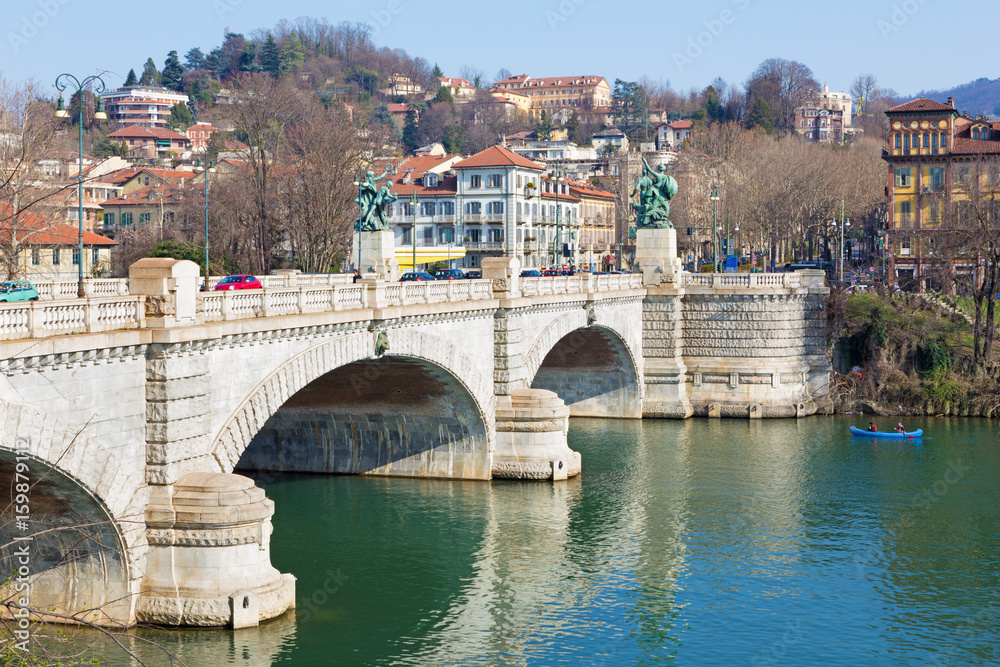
238, 282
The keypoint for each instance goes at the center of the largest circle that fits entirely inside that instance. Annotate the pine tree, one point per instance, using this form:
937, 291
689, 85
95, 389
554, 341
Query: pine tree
382, 116
173, 72
150, 75
761, 116
180, 115
437, 73
270, 58
410, 131
194, 59
292, 54
131, 79
543, 128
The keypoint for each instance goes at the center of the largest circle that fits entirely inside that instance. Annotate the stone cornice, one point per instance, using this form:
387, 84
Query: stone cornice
67, 360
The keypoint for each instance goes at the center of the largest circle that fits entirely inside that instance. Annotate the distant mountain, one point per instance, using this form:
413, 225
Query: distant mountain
981, 96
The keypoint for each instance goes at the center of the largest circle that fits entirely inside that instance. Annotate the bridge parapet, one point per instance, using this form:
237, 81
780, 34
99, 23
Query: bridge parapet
41, 319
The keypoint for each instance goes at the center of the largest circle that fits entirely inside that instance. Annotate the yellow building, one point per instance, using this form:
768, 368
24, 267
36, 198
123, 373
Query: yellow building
941, 166
554, 93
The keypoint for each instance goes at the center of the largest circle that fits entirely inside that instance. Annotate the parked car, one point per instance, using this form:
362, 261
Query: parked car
550, 272
18, 290
230, 283
449, 274
473, 275
531, 273
414, 276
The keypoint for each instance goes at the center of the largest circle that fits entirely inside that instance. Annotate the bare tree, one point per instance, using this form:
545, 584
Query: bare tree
784, 85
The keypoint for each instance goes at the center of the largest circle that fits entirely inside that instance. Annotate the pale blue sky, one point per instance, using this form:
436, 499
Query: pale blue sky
685, 43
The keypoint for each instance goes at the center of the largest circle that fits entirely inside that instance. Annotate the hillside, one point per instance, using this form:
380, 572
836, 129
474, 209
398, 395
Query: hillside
981, 96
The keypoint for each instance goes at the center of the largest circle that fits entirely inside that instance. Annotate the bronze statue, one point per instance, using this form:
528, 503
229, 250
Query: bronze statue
655, 189
373, 202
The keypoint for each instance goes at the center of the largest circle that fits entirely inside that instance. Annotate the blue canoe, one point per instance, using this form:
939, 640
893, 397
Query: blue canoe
886, 434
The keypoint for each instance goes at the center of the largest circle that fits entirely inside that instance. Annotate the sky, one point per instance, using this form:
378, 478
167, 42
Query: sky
685, 44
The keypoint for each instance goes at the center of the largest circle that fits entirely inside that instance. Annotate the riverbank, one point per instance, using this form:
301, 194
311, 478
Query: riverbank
908, 355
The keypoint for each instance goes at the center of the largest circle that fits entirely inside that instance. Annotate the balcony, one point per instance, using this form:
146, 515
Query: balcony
494, 217
473, 218
484, 246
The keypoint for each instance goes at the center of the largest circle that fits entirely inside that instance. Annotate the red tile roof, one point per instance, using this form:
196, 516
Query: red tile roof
124, 175
41, 231
454, 83
681, 124
588, 190
975, 147
497, 156
418, 167
920, 104
148, 194
398, 108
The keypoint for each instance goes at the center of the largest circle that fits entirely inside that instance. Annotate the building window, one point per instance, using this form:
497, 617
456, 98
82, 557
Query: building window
906, 144
76, 256
95, 256
474, 235
473, 208
447, 235
427, 208
904, 246
898, 140
934, 212
143, 218
36, 257
495, 181
927, 140
428, 235
934, 143
496, 235
975, 133
944, 141
475, 181
903, 177
937, 178
126, 219
109, 220
56, 256
446, 208
406, 238
494, 208
905, 213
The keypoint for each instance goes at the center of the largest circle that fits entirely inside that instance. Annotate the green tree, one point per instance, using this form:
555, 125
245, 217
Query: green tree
150, 75
131, 79
714, 110
270, 57
437, 73
630, 109
105, 147
194, 59
761, 116
173, 72
248, 58
382, 116
573, 127
444, 95
411, 131
180, 115
543, 127
292, 54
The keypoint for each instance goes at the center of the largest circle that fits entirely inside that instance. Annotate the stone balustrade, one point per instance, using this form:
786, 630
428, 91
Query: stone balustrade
580, 284
794, 280
40, 319
92, 287
292, 279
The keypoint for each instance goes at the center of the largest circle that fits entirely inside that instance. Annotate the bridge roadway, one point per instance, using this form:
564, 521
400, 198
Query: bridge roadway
144, 404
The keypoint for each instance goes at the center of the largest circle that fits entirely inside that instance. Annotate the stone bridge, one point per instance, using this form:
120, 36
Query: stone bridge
133, 410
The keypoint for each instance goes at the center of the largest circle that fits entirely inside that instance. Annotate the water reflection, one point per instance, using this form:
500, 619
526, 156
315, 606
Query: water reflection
698, 542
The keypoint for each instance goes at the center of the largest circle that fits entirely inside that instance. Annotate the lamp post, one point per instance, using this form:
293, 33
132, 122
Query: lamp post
357, 225
715, 223
209, 168
558, 179
64, 81
413, 239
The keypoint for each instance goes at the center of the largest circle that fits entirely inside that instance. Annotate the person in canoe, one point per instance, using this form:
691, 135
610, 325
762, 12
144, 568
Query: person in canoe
899, 428
872, 427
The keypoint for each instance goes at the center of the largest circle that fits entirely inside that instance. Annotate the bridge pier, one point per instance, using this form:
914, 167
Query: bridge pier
531, 430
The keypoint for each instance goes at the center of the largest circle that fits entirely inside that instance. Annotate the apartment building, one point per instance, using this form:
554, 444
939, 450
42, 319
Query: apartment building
152, 142
551, 94
943, 169
148, 106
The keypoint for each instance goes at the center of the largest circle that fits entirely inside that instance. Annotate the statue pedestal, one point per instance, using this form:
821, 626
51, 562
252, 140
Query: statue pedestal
378, 256
656, 255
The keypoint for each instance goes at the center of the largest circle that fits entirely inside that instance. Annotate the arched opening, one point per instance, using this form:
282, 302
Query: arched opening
74, 558
394, 416
593, 372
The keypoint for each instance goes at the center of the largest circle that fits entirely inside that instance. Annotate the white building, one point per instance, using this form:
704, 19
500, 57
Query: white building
611, 140
671, 135
142, 105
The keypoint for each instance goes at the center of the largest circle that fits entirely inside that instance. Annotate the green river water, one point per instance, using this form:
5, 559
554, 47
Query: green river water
683, 543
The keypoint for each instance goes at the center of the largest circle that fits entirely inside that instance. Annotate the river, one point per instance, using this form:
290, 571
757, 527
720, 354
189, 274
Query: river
683, 543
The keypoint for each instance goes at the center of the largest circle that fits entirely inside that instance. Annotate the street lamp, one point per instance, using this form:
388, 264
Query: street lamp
715, 223
357, 183
413, 238
64, 81
209, 169
557, 178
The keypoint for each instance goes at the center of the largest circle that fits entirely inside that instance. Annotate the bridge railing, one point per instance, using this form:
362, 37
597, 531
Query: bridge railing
92, 287
271, 302
292, 280
580, 284
39, 319
742, 280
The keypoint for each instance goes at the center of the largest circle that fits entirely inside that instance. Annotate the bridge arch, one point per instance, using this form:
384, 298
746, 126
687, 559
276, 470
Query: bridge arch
416, 361
592, 365
85, 508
